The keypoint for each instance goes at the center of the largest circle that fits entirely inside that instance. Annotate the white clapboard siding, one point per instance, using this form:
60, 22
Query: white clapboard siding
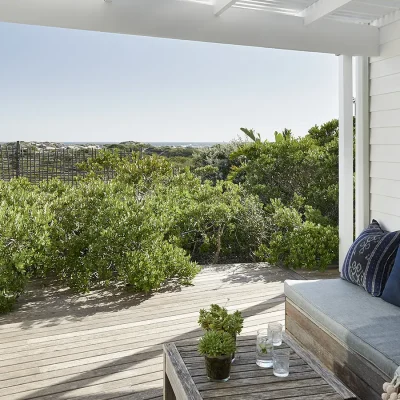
388, 50
386, 84
385, 130
385, 204
386, 136
390, 32
385, 67
385, 187
389, 101
387, 221
385, 170
383, 119
385, 153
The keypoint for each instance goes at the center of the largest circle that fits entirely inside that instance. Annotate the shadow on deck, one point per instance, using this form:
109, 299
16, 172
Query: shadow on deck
108, 344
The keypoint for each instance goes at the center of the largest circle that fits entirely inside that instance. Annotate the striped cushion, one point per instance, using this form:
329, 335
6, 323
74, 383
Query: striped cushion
370, 259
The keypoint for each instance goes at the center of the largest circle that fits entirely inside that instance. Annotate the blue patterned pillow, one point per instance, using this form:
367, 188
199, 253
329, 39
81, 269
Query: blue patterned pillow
391, 294
370, 259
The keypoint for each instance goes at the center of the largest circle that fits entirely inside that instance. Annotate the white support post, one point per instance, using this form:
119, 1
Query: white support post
362, 144
346, 195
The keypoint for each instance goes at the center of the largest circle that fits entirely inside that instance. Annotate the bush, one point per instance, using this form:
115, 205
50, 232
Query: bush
299, 239
218, 319
151, 222
214, 163
106, 232
216, 343
212, 222
24, 237
307, 167
88, 234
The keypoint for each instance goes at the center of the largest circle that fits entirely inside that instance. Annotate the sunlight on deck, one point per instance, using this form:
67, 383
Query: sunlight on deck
108, 345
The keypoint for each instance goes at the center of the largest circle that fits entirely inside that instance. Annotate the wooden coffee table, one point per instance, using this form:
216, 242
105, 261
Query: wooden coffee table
185, 376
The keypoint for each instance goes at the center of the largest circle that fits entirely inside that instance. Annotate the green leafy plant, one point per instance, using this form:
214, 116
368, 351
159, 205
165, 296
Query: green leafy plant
214, 163
141, 221
106, 232
265, 347
305, 166
218, 319
24, 237
299, 239
216, 344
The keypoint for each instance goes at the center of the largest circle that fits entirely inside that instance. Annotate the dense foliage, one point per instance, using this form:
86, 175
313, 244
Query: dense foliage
218, 319
306, 167
215, 163
24, 237
216, 344
299, 239
244, 201
296, 180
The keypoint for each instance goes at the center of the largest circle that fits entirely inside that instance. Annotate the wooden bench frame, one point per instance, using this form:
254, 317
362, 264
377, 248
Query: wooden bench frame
358, 374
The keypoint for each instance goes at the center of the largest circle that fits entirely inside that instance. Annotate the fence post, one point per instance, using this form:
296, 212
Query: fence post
17, 159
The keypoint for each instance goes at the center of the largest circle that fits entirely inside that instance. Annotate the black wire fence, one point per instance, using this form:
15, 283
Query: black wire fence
38, 165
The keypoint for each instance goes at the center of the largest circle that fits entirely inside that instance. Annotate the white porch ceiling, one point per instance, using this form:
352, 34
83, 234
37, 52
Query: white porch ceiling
328, 26
289, 7
355, 11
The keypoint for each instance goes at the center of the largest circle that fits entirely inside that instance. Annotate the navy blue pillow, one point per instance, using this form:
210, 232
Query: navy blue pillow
391, 293
370, 259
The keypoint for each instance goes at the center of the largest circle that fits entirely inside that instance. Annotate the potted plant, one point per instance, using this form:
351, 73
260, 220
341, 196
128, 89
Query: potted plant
217, 348
218, 319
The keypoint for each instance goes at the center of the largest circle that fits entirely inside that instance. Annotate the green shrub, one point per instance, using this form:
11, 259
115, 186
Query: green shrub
216, 343
298, 242
306, 166
24, 237
214, 163
88, 234
218, 319
152, 221
107, 232
212, 222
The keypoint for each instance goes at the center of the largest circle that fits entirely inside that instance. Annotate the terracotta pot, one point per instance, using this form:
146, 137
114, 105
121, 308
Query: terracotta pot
218, 368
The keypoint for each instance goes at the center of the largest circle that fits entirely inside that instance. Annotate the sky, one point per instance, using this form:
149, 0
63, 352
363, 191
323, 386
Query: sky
77, 86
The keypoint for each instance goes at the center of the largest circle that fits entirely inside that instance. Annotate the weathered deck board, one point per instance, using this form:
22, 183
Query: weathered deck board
108, 344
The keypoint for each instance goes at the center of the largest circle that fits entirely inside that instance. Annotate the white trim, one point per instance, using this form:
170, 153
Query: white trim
195, 21
387, 19
321, 9
362, 144
346, 196
222, 5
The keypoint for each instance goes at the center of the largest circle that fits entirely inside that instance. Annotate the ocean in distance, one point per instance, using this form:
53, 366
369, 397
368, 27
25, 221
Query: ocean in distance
156, 144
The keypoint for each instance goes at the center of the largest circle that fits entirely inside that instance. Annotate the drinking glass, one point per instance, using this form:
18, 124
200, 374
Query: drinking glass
264, 349
275, 333
280, 359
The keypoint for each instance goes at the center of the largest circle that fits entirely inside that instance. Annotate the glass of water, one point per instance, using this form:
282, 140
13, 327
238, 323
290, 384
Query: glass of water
264, 349
281, 362
275, 333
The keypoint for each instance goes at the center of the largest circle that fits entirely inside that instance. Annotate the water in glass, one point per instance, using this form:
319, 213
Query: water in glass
281, 362
275, 333
264, 349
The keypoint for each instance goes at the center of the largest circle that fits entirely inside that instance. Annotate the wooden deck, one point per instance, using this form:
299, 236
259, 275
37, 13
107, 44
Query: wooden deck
108, 345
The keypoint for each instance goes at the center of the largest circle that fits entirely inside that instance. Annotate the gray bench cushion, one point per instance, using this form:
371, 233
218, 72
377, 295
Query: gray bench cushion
367, 325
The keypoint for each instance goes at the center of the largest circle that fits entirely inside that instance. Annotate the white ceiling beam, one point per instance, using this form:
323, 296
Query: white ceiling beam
321, 9
195, 21
222, 5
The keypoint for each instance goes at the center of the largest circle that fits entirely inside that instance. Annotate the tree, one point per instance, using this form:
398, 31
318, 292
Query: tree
251, 133
286, 134
307, 167
325, 133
